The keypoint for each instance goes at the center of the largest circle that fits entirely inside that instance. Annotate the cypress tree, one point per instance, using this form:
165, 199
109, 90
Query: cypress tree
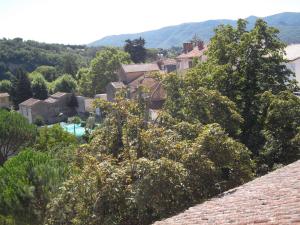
21, 88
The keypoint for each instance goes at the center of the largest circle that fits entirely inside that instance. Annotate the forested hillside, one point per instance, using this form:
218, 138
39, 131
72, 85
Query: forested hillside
29, 55
287, 23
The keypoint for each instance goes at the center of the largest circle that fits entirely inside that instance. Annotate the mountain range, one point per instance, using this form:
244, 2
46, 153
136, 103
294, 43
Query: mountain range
288, 24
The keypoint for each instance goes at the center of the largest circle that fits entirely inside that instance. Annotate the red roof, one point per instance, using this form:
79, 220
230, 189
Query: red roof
192, 54
270, 199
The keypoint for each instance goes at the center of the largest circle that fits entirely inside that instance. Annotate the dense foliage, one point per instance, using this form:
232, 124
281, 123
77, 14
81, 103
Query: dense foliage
135, 173
103, 69
224, 122
29, 55
136, 49
30, 179
15, 134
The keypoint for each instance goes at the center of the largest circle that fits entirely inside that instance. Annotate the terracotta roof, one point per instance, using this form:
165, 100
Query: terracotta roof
146, 67
169, 62
270, 199
293, 52
192, 54
4, 94
30, 102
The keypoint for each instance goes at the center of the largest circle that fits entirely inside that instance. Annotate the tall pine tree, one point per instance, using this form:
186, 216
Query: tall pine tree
21, 88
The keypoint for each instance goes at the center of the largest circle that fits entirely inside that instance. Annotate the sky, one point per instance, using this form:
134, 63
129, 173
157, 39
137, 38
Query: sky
84, 21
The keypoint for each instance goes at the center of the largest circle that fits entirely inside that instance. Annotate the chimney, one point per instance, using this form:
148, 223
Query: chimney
200, 45
187, 47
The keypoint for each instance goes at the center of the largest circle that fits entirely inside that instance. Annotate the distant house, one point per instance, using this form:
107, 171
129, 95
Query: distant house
167, 65
190, 52
129, 73
53, 109
293, 56
4, 101
156, 94
112, 88
131, 77
84, 106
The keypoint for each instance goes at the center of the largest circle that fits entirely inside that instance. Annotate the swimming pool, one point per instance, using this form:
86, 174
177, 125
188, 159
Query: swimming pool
73, 128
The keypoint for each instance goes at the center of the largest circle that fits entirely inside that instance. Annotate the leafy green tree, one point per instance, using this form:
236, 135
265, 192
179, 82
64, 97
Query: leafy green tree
39, 88
281, 128
105, 66
53, 138
242, 65
135, 172
21, 88
48, 72
28, 181
70, 65
215, 155
65, 83
5, 86
190, 102
136, 49
15, 134
85, 82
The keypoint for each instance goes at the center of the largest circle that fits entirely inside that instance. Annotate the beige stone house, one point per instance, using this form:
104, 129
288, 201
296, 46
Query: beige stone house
129, 73
131, 77
53, 109
154, 89
293, 57
4, 101
190, 52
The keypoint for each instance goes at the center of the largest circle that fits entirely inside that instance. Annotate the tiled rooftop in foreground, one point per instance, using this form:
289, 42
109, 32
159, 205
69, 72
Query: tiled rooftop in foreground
270, 199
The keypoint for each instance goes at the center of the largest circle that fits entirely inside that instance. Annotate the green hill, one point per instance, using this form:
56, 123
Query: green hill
288, 23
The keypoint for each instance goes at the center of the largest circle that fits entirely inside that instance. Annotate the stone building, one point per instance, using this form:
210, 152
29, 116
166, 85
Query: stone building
131, 77
54, 109
129, 73
4, 101
293, 57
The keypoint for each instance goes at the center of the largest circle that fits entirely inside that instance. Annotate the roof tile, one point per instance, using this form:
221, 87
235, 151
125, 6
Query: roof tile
270, 199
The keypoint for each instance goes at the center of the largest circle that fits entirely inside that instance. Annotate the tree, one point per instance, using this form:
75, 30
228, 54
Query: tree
21, 88
28, 181
243, 64
134, 172
5, 86
39, 88
136, 49
70, 65
281, 128
188, 101
225, 161
48, 72
15, 134
53, 138
65, 83
105, 66
85, 82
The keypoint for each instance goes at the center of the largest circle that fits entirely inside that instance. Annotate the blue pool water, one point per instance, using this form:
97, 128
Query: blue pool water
72, 128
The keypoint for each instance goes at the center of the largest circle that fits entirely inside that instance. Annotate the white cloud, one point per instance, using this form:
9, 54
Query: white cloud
83, 21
